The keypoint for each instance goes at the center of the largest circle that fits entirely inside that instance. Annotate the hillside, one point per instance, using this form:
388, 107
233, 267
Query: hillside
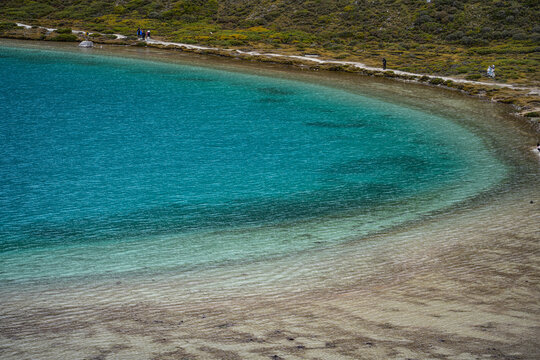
331, 23
450, 37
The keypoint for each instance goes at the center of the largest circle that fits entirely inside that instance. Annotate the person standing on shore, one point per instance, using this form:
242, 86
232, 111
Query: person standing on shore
139, 32
383, 63
148, 34
143, 34
491, 71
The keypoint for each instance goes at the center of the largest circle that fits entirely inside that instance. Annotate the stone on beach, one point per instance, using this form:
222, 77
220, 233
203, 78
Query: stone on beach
86, 44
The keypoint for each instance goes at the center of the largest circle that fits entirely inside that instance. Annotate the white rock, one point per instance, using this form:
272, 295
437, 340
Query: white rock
86, 44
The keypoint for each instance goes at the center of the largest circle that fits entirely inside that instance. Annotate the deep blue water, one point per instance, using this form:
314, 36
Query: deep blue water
97, 151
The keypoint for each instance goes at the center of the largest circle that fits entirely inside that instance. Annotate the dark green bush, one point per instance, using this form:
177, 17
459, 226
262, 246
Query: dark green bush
7, 26
519, 36
470, 41
455, 36
436, 81
65, 37
63, 31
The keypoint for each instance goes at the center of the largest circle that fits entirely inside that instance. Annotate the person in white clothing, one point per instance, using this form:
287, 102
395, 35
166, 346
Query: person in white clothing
491, 71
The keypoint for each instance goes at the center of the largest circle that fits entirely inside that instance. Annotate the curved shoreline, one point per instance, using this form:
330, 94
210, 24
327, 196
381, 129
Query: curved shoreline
358, 65
467, 290
429, 207
315, 59
315, 63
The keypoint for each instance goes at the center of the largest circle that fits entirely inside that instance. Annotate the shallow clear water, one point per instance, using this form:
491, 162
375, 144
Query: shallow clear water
111, 165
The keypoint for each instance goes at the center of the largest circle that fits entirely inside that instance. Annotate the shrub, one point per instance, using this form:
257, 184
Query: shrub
7, 26
470, 41
119, 9
258, 29
455, 36
63, 31
462, 69
436, 81
473, 76
519, 36
65, 37
423, 18
533, 114
345, 34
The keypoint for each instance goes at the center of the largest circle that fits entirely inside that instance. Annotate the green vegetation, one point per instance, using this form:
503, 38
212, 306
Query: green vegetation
65, 37
331, 23
473, 77
64, 31
444, 37
436, 81
4, 26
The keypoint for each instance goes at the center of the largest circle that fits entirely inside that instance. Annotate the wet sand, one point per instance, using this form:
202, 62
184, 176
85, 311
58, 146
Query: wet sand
467, 289
459, 285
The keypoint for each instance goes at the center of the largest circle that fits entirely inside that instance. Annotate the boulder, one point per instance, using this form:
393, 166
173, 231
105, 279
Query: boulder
86, 44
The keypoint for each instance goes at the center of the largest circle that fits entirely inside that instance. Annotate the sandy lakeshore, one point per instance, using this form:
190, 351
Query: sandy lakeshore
458, 284
468, 290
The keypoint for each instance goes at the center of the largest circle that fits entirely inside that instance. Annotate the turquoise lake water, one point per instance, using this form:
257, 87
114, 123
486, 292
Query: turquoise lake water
115, 165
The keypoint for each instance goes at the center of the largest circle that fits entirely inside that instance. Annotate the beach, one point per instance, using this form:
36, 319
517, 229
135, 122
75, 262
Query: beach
467, 290
463, 283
